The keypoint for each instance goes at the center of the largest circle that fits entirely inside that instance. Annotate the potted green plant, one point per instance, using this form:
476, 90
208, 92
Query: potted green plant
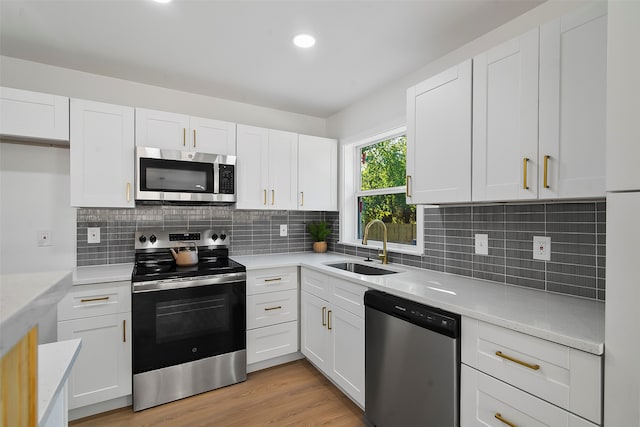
319, 232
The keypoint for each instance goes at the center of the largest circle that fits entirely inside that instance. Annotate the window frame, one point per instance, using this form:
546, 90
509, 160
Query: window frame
352, 190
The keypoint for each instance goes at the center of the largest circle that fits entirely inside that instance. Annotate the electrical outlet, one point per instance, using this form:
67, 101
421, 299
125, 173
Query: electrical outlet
44, 238
542, 248
283, 230
482, 244
93, 235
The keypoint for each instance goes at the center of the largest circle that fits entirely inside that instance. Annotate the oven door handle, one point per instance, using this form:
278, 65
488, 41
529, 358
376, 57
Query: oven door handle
189, 282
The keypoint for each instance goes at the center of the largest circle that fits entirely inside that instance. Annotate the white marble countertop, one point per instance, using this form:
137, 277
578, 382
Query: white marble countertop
55, 361
102, 273
571, 321
25, 299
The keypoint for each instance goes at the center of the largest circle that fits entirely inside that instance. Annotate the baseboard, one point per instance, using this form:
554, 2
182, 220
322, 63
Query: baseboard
274, 362
98, 408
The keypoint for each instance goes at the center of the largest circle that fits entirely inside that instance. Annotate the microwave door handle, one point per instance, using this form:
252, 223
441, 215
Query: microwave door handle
216, 178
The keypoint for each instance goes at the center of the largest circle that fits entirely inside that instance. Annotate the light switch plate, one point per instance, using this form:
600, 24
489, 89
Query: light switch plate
542, 248
93, 234
283, 230
482, 244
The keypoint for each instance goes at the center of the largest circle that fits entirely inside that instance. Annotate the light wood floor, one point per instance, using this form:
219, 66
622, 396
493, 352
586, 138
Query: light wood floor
295, 394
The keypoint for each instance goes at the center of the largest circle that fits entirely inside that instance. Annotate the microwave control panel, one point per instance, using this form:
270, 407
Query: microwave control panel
227, 179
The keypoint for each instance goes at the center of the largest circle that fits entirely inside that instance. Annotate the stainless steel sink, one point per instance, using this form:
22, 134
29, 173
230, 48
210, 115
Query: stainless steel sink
367, 270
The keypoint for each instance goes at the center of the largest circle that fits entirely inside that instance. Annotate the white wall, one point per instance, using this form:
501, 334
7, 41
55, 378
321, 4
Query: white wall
386, 109
34, 196
38, 77
622, 315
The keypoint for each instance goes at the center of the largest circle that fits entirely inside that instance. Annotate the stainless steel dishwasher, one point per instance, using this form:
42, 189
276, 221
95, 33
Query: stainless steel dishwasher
412, 363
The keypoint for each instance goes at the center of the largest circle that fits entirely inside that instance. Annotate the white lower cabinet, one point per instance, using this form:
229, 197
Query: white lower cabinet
486, 401
100, 315
272, 313
332, 331
505, 368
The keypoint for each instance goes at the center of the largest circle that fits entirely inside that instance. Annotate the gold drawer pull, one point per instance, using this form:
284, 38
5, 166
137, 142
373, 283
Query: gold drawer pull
275, 279
498, 416
128, 191
329, 319
525, 161
302, 195
94, 299
273, 308
407, 194
546, 170
519, 362
265, 197
324, 310
273, 197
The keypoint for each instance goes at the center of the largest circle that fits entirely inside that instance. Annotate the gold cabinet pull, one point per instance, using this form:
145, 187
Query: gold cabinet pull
184, 137
324, 310
265, 197
546, 169
128, 191
275, 279
194, 138
273, 197
525, 161
407, 189
302, 194
278, 307
94, 299
124, 331
329, 319
499, 417
519, 362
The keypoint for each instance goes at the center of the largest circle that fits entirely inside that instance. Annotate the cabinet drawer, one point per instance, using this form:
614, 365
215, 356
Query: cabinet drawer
272, 308
348, 296
315, 283
272, 341
271, 279
95, 300
484, 400
566, 377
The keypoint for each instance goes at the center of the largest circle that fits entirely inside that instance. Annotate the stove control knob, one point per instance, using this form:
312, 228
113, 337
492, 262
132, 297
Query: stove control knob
152, 238
142, 239
214, 236
223, 236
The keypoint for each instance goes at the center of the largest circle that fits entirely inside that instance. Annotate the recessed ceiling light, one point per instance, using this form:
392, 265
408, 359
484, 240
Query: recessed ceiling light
304, 41
162, 1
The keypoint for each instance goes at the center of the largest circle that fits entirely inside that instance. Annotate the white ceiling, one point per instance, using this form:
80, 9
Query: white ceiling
242, 50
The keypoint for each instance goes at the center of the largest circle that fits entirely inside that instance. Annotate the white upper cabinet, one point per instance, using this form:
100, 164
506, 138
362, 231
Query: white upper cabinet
101, 154
505, 121
33, 115
267, 171
573, 79
317, 173
439, 138
172, 131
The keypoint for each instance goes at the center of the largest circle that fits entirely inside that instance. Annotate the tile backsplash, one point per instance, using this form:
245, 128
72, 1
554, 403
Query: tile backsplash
250, 232
578, 241
577, 231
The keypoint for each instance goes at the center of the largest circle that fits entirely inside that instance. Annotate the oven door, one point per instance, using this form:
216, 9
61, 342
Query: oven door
175, 326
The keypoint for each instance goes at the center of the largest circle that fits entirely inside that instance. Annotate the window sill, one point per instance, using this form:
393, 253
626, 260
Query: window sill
378, 245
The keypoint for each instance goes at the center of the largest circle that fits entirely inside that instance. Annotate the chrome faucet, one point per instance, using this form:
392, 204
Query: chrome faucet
383, 255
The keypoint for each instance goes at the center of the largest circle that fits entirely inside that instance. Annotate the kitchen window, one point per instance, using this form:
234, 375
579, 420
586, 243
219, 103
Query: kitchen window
377, 190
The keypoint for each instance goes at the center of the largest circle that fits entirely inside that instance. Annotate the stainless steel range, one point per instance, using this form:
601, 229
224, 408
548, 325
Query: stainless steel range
189, 322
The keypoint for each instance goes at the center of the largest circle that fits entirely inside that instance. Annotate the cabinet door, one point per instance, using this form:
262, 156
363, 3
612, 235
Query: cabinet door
101, 154
317, 173
439, 138
283, 170
347, 362
573, 83
505, 121
103, 368
313, 330
212, 136
26, 114
161, 129
252, 162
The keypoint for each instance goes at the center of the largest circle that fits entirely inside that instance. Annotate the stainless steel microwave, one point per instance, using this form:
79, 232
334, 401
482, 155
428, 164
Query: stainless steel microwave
184, 176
